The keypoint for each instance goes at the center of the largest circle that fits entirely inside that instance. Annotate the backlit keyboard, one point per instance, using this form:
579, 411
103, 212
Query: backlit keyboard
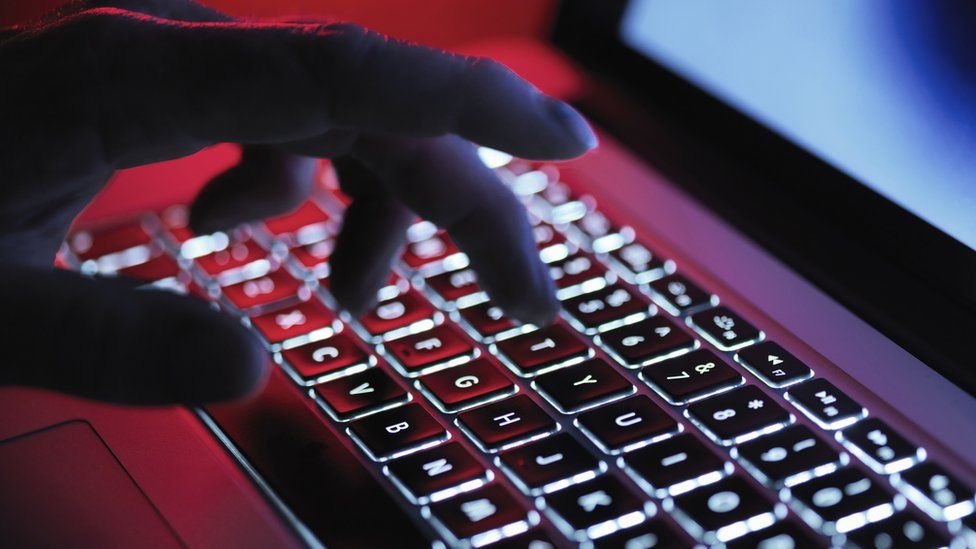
649, 415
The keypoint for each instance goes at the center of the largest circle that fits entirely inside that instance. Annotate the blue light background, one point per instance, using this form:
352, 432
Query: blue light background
884, 90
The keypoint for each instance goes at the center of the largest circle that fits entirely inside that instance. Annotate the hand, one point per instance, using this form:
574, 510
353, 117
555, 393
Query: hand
100, 86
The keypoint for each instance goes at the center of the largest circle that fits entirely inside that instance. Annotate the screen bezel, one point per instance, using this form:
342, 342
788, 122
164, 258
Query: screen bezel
907, 278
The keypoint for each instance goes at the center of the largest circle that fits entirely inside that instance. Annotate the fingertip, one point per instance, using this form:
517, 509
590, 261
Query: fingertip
573, 123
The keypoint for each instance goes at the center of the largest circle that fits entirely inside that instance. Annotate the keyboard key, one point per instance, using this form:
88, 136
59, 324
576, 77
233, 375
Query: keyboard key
691, 376
467, 385
306, 321
825, 404
454, 285
397, 432
436, 348
543, 350
774, 365
486, 319
158, 268
269, 290
789, 457
235, 257
653, 533
95, 242
784, 535
438, 473
313, 258
881, 448
546, 236
505, 423
726, 509
360, 394
739, 415
679, 295
675, 465
576, 269
725, 329
305, 224
341, 353
533, 539
842, 501
488, 513
596, 508
399, 313
901, 530
627, 424
550, 464
583, 386
645, 342
429, 250
614, 305
637, 264
936, 491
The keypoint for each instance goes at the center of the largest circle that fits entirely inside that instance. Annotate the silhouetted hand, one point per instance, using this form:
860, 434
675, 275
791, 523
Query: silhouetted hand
100, 86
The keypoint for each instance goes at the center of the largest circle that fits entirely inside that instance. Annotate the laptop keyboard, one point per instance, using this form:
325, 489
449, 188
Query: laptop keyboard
649, 415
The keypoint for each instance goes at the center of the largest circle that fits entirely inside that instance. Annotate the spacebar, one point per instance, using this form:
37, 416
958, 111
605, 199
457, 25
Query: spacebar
310, 469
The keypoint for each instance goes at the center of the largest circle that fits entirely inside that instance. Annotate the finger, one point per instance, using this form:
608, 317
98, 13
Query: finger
373, 233
266, 182
103, 340
179, 10
443, 180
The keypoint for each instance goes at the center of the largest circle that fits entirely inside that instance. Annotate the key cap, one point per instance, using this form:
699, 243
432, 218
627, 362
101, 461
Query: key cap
533, 539
691, 376
789, 457
679, 295
360, 394
654, 533
95, 242
277, 287
675, 465
901, 530
480, 516
542, 350
467, 385
438, 473
546, 236
583, 386
577, 269
550, 464
724, 329
401, 313
235, 257
503, 424
645, 342
825, 404
158, 268
881, 448
454, 285
315, 361
396, 432
596, 508
296, 324
429, 250
434, 349
841, 501
612, 306
313, 258
627, 424
739, 415
783, 535
936, 491
486, 319
726, 509
774, 365
305, 224
637, 264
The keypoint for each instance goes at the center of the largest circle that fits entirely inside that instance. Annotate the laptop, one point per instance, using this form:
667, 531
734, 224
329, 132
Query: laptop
766, 271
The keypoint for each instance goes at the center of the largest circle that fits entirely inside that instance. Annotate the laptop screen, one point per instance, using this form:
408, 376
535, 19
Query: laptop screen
883, 91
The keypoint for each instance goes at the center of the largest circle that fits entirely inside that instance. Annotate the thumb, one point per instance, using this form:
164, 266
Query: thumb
104, 340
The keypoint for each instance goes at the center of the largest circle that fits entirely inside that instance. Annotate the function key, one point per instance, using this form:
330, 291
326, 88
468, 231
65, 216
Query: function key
647, 341
578, 269
679, 295
550, 464
691, 376
724, 329
881, 448
506, 423
676, 465
614, 305
437, 348
424, 252
825, 404
399, 314
481, 516
542, 350
901, 530
774, 365
397, 432
269, 290
739, 415
627, 424
789, 457
783, 535
306, 223
583, 386
842, 501
360, 394
596, 508
454, 285
486, 319
726, 509
936, 491
637, 264
650, 534
294, 325
438, 473
339, 354
467, 385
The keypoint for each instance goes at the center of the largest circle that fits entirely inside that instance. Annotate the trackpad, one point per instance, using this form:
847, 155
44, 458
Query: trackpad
62, 487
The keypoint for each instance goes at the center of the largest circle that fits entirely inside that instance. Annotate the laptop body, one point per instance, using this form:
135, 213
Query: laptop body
695, 180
